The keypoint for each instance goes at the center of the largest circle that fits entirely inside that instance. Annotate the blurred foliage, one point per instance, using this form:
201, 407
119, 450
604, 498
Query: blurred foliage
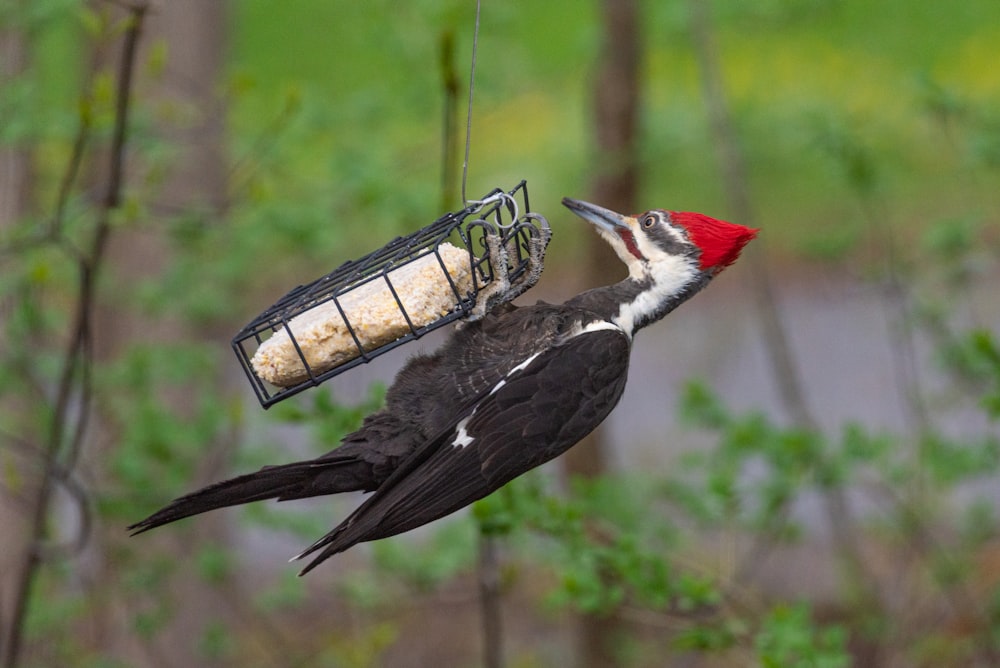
789, 638
869, 135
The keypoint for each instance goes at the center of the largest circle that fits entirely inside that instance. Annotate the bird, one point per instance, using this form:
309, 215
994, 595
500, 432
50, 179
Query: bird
503, 394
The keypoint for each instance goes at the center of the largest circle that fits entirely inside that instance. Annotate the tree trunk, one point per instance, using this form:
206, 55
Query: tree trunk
616, 105
184, 100
616, 111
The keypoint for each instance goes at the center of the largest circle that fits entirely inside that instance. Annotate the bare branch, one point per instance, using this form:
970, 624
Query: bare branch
75, 379
786, 373
489, 601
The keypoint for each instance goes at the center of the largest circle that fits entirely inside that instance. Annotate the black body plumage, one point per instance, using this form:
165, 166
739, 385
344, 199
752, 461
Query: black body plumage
503, 395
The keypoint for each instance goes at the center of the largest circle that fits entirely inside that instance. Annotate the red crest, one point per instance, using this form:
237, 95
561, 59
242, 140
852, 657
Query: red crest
720, 242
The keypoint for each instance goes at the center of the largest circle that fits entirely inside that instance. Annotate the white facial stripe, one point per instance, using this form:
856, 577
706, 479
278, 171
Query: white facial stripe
673, 272
462, 439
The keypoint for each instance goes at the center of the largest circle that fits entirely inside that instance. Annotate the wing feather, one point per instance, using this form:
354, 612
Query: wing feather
536, 414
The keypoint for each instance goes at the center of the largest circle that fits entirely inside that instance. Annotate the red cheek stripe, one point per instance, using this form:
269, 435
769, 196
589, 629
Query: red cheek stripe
629, 239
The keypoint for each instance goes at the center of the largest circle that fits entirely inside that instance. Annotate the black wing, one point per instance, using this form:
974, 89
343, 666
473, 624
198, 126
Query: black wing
530, 417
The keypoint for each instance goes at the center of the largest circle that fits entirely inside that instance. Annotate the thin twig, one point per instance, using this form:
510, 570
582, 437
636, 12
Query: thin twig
786, 373
489, 602
53, 232
75, 378
241, 172
957, 595
70, 176
896, 299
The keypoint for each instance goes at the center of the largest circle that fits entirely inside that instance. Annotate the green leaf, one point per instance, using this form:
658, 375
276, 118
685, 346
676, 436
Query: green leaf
788, 637
702, 407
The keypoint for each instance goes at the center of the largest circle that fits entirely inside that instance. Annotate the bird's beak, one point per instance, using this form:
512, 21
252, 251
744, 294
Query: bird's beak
603, 219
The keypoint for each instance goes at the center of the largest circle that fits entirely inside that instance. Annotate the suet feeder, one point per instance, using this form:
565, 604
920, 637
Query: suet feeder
405, 289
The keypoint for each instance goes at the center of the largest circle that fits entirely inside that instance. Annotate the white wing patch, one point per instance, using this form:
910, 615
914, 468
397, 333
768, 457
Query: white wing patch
462, 436
521, 367
599, 325
463, 439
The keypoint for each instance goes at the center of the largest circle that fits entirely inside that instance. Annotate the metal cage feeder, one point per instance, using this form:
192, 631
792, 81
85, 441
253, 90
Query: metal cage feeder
369, 306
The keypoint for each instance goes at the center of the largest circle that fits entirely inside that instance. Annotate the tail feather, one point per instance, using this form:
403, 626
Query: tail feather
288, 481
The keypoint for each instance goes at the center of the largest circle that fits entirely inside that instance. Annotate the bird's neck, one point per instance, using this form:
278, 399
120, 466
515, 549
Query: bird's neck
636, 302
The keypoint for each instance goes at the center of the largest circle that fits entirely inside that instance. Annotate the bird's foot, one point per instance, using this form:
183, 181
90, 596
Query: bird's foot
501, 289
538, 242
495, 292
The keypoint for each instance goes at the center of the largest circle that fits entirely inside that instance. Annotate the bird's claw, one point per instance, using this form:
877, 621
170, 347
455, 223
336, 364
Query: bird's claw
501, 289
496, 290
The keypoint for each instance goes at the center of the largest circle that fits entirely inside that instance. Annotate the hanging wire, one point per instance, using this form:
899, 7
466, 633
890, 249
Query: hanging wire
504, 198
468, 115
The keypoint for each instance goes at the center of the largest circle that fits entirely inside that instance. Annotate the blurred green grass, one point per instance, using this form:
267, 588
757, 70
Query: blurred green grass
793, 70
338, 106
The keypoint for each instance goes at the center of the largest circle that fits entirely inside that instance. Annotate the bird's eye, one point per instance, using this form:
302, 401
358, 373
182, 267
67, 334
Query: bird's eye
649, 221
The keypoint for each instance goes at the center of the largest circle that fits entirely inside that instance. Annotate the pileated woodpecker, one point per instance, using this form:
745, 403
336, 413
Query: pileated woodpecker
503, 395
